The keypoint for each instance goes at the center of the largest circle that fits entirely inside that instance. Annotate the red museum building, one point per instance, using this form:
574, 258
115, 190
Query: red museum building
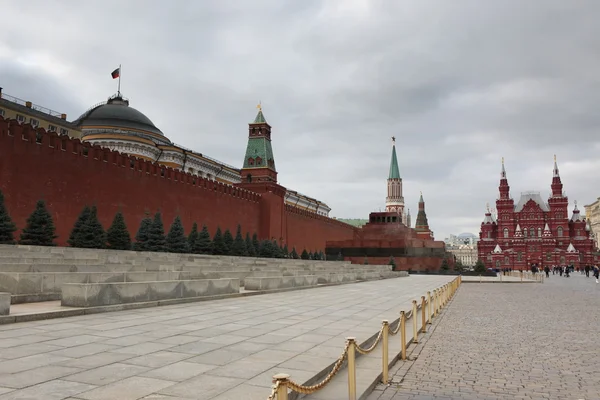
533, 231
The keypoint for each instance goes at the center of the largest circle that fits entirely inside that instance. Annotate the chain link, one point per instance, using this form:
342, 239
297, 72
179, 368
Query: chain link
296, 387
395, 331
274, 390
370, 349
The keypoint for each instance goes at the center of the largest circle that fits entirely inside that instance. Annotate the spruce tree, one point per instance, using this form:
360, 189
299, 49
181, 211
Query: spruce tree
310, 255
228, 240
266, 249
141, 238
294, 254
75, 238
7, 227
340, 257
277, 252
304, 255
366, 261
239, 244
286, 253
321, 256
479, 267
256, 244
218, 244
445, 267
392, 262
176, 241
156, 234
117, 235
193, 238
250, 246
203, 244
91, 234
40, 230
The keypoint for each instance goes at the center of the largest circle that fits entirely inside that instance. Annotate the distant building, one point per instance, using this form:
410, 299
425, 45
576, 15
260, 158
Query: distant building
37, 116
465, 238
592, 214
465, 253
533, 231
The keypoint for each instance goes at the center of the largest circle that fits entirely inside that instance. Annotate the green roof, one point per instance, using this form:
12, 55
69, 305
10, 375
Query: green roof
260, 118
259, 147
394, 171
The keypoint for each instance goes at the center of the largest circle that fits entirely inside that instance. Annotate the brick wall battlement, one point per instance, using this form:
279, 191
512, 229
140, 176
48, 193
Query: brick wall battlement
12, 129
311, 214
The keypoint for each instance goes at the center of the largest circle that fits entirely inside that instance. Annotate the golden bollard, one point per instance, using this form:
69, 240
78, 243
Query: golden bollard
423, 315
435, 302
414, 323
521, 276
282, 390
403, 334
384, 357
429, 308
351, 368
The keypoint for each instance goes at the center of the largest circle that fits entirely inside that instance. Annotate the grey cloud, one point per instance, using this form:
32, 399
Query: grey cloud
460, 84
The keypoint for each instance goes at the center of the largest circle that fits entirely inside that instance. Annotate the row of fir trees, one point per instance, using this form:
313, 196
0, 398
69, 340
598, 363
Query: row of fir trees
89, 233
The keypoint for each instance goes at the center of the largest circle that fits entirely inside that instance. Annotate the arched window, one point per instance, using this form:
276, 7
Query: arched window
489, 235
506, 261
560, 231
524, 232
251, 161
505, 232
519, 256
532, 232
539, 232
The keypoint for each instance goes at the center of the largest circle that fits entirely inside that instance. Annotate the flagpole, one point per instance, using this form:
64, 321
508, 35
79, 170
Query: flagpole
119, 89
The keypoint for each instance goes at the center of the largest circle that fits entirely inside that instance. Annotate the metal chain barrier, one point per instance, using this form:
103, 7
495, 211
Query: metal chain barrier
370, 349
296, 387
431, 305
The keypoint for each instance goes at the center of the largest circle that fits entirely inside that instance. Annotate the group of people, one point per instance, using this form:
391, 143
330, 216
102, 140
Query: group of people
567, 269
562, 270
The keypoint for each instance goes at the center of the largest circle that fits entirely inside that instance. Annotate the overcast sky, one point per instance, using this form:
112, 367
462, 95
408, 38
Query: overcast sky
460, 84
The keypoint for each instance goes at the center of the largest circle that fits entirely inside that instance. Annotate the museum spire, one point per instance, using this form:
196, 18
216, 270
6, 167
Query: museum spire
503, 188
557, 186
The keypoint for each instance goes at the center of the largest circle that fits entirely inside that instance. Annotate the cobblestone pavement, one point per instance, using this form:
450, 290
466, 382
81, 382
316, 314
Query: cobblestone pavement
222, 350
508, 341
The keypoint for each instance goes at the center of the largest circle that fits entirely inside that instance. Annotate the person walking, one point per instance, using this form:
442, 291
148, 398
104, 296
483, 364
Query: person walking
547, 271
596, 273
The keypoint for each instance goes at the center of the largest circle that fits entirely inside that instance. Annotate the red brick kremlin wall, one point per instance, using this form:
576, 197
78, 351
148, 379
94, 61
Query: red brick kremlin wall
57, 171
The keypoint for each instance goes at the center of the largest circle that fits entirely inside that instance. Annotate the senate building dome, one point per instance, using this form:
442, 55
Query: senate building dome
116, 125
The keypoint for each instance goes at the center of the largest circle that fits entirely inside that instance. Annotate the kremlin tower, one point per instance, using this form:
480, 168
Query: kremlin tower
394, 202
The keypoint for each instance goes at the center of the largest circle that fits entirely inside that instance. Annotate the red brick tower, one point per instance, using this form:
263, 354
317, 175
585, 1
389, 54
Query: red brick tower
394, 201
259, 163
558, 203
505, 205
421, 225
259, 175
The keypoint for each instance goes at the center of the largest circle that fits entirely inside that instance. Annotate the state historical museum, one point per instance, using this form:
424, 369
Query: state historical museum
533, 231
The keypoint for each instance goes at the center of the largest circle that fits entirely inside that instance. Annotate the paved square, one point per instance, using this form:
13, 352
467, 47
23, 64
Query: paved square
226, 349
509, 341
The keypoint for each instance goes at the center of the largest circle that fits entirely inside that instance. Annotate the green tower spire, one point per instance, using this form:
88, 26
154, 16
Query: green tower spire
394, 171
259, 163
